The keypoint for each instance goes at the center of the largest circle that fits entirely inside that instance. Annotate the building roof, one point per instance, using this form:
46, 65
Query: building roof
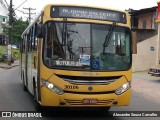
141, 11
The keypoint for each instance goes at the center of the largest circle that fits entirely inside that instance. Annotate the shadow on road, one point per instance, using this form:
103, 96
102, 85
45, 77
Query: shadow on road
50, 113
81, 113
155, 81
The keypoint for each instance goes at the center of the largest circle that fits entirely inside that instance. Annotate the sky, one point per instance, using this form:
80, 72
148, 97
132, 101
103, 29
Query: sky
116, 4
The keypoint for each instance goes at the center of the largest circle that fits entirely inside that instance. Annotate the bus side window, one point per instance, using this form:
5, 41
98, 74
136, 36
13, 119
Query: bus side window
24, 43
31, 32
21, 45
28, 43
30, 39
35, 37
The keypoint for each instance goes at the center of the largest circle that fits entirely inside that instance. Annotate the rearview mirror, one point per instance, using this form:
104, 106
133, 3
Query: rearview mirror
39, 30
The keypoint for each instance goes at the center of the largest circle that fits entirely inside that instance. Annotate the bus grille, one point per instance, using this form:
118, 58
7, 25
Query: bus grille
97, 82
89, 80
80, 102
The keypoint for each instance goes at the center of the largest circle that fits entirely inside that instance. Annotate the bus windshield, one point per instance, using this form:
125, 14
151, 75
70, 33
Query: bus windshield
83, 46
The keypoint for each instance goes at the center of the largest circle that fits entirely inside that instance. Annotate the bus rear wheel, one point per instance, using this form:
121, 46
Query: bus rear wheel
24, 87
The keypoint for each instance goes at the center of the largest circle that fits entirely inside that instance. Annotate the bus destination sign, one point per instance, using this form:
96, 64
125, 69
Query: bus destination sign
87, 13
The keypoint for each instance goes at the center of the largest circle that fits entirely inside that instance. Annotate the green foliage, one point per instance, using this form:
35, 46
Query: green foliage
2, 50
17, 29
15, 53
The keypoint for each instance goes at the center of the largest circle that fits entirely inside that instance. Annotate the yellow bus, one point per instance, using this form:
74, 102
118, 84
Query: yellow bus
78, 56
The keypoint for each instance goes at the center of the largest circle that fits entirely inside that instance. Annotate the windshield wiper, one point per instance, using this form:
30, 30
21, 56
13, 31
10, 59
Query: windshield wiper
108, 36
64, 35
67, 41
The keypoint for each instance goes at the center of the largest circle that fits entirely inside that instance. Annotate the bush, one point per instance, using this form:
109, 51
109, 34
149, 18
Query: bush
15, 53
2, 50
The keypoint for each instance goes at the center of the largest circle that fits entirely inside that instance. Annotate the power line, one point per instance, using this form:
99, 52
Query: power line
4, 12
7, 8
4, 7
13, 10
6, 3
20, 5
20, 11
29, 13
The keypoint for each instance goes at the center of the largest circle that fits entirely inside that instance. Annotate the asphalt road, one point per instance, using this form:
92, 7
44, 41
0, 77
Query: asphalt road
13, 98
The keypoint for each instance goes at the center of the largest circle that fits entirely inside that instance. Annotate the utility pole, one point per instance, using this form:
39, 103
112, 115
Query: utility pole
10, 33
29, 13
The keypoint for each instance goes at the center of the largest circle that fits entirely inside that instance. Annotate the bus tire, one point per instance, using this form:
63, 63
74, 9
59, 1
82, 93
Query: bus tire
37, 106
105, 109
24, 87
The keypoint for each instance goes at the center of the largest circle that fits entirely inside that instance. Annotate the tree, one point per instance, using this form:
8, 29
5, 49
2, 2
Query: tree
17, 29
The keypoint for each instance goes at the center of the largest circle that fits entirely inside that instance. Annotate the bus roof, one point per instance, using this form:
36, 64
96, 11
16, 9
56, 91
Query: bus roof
80, 5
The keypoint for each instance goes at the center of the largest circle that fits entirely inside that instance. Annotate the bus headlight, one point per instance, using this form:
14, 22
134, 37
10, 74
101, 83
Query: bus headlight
123, 88
52, 87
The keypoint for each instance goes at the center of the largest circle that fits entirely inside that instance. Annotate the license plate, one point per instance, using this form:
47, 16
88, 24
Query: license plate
90, 101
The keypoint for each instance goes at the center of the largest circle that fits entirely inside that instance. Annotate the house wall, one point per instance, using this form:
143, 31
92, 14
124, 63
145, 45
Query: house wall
145, 34
147, 41
3, 16
151, 26
148, 18
146, 57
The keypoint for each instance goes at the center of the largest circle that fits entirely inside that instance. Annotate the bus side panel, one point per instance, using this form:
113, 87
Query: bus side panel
29, 72
20, 59
25, 62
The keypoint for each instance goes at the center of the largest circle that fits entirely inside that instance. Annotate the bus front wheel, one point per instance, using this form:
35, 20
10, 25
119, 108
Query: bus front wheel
37, 106
105, 109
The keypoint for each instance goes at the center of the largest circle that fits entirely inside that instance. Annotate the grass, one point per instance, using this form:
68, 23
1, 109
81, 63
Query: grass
3, 48
15, 52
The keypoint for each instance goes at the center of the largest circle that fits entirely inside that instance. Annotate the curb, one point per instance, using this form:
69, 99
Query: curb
8, 67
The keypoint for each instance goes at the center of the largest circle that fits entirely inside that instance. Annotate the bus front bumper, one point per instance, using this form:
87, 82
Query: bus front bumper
49, 98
